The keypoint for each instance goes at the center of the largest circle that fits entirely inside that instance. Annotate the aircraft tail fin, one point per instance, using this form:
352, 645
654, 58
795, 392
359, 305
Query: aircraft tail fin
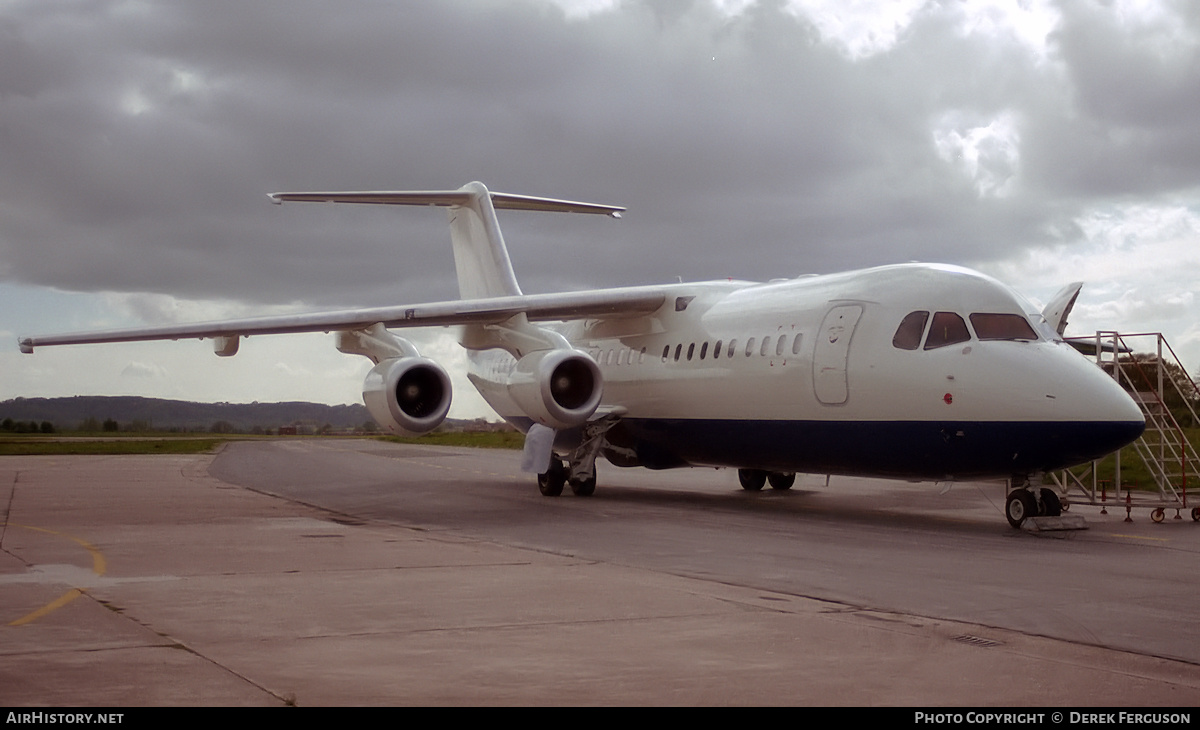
480, 256
1059, 308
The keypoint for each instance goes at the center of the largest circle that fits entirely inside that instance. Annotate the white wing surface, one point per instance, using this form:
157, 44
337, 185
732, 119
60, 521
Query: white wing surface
606, 303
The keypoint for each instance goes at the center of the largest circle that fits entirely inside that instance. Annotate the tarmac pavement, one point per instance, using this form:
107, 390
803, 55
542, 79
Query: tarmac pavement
144, 581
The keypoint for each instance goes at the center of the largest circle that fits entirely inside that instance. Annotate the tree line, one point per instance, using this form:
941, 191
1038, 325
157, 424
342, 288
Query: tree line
8, 425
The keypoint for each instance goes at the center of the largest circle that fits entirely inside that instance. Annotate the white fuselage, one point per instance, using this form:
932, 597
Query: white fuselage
804, 375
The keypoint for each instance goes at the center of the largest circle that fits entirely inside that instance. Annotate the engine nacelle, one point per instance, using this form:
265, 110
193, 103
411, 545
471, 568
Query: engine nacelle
408, 396
557, 388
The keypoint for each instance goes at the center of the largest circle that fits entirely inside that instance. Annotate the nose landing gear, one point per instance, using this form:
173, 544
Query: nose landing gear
1025, 501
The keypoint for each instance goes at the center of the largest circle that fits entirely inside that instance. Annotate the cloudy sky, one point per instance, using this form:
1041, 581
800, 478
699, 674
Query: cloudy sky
1041, 142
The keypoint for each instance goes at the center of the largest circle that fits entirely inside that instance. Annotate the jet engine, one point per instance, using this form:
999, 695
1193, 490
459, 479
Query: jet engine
407, 395
557, 388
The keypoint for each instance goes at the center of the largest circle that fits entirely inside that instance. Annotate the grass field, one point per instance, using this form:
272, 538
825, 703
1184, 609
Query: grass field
478, 440
43, 446
1134, 473
149, 443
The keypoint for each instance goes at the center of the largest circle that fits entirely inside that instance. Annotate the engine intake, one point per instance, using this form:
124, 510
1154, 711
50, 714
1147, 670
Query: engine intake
408, 395
557, 388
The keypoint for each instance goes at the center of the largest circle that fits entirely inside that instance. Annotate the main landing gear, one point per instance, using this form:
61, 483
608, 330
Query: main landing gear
753, 480
580, 469
1026, 501
551, 482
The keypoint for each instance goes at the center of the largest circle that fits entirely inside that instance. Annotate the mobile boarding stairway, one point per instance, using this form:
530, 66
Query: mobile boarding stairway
1155, 379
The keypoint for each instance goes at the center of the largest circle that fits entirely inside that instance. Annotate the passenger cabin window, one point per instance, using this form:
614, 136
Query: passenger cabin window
908, 334
948, 329
796, 345
1002, 327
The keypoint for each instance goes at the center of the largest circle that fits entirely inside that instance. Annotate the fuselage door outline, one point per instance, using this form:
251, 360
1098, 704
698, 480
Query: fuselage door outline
831, 355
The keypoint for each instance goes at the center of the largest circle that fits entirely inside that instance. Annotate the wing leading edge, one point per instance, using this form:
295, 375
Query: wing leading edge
623, 302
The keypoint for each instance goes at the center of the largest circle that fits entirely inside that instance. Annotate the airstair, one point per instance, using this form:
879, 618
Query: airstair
1158, 382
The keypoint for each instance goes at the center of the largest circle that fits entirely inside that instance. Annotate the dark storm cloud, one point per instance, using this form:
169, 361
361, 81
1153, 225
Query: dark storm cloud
1132, 93
137, 141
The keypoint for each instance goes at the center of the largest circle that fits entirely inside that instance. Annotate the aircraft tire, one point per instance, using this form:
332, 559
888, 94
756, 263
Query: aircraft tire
1051, 504
1019, 505
752, 480
584, 487
550, 483
781, 481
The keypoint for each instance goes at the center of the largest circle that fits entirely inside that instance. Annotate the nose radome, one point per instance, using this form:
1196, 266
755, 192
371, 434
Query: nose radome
1130, 409
1119, 409
1118, 405
1098, 404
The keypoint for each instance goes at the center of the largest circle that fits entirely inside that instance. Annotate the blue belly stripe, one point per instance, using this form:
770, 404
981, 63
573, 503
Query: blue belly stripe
905, 449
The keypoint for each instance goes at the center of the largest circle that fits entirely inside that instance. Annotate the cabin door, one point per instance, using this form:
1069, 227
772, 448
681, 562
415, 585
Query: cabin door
833, 352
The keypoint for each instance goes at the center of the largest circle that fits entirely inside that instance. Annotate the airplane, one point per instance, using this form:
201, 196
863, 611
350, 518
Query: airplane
909, 371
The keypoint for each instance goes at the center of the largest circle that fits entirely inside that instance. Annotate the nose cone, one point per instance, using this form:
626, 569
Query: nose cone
1127, 420
1107, 417
1109, 401
1121, 407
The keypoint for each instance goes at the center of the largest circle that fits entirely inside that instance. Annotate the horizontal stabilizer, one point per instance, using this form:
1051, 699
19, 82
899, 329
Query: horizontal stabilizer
449, 198
1087, 346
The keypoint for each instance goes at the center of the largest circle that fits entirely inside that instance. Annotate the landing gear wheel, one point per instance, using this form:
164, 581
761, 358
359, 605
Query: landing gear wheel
1051, 504
1158, 515
584, 487
550, 483
1019, 505
752, 479
781, 481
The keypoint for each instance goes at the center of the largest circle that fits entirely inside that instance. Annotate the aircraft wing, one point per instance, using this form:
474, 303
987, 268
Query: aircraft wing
601, 303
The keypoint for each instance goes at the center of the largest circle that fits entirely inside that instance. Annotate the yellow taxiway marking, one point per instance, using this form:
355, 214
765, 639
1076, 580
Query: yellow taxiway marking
1141, 537
99, 566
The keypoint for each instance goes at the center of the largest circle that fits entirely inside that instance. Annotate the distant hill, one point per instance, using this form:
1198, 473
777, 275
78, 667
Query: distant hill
69, 413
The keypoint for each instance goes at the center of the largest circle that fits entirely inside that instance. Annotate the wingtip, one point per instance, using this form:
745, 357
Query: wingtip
26, 345
275, 199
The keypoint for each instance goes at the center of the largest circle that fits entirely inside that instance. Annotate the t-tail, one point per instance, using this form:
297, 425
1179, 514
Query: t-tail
480, 256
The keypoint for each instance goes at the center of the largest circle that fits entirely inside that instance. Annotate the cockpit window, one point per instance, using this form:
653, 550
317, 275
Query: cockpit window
1002, 327
908, 334
948, 329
